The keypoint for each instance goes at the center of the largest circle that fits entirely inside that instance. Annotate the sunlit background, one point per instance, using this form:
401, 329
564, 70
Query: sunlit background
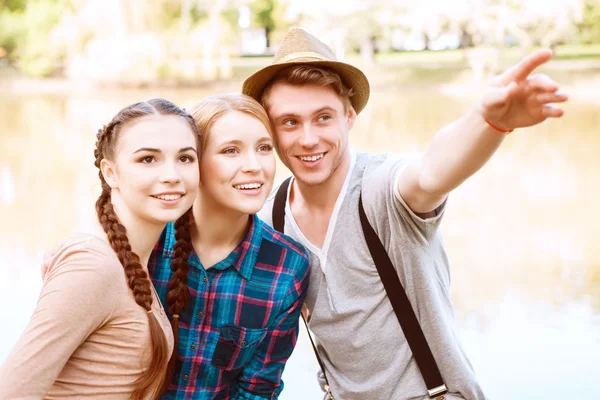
520, 234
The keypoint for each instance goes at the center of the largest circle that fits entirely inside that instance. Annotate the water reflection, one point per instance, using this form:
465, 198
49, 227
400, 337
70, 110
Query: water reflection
525, 271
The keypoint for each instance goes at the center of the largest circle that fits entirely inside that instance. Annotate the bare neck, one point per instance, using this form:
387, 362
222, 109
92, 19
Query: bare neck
324, 195
215, 227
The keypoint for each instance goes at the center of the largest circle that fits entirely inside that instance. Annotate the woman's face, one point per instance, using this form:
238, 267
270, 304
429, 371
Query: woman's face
155, 168
237, 166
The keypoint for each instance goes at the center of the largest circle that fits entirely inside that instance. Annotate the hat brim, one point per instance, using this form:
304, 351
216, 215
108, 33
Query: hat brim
353, 78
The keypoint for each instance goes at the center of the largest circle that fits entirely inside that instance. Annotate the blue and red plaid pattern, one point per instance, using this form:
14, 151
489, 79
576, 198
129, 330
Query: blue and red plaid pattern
241, 323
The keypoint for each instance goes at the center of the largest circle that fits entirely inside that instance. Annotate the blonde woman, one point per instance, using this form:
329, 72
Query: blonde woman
235, 305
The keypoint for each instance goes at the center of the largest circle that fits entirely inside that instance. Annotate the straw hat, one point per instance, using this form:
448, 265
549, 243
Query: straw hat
299, 47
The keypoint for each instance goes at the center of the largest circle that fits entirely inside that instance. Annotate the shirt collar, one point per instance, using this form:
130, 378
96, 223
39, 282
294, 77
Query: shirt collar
243, 257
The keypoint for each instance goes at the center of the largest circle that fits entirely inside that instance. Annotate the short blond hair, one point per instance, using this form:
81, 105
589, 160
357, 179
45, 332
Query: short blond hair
305, 74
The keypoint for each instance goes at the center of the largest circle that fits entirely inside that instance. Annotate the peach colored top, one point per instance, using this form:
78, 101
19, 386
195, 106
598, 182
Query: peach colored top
87, 337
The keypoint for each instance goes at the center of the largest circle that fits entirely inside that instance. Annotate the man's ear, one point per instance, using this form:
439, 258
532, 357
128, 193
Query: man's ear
109, 173
351, 117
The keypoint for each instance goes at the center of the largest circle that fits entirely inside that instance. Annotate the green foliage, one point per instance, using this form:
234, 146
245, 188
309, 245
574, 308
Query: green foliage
589, 29
12, 5
262, 10
167, 14
25, 33
230, 16
10, 28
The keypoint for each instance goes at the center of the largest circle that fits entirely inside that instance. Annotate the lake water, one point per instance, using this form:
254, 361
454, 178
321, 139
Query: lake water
520, 234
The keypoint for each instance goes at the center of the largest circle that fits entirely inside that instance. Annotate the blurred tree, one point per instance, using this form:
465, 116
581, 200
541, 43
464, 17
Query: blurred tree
263, 13
589, 28
25, 29
12, 5
353, 24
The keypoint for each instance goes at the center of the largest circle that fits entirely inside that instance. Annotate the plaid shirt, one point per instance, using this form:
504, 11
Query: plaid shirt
241, 323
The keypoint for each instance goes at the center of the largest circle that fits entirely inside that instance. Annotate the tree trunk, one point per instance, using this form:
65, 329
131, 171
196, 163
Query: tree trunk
267, 37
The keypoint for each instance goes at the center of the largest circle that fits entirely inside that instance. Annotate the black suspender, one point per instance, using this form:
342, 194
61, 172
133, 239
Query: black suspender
279, 205
404, 311
279, 224
395, 292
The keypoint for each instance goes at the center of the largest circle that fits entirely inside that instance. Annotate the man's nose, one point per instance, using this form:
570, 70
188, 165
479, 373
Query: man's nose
308, 138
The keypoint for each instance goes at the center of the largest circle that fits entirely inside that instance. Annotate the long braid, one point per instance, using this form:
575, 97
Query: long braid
137, 278
178, 295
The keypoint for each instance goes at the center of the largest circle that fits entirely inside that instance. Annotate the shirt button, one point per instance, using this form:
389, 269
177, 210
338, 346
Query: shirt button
185, 377
193, 347
199, 314
243, 343
205, 280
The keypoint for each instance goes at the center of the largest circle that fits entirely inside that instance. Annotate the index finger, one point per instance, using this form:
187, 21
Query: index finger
527, 65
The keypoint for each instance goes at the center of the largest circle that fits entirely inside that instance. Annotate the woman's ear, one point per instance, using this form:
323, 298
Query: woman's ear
109, 173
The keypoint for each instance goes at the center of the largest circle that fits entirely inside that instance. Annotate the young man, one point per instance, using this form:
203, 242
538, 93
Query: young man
312, 101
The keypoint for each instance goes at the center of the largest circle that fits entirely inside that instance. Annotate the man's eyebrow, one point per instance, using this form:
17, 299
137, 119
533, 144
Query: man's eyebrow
286, 115
292, 114
326, 108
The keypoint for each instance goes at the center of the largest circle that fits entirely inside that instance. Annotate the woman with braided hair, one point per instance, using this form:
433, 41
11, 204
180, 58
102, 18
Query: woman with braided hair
235, 295
99, 330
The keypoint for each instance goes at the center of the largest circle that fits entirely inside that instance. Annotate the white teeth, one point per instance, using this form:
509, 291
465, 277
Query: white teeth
311, 158
168, 197
248, 186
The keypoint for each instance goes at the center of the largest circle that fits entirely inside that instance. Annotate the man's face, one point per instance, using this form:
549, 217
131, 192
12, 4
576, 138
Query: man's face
311, 129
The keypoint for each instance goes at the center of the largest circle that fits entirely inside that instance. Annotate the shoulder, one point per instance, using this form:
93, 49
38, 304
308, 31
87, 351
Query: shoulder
88, 257
375, 163
281, 251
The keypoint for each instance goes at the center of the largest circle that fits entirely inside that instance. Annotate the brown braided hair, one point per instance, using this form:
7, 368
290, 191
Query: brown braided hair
178, 294
151, 381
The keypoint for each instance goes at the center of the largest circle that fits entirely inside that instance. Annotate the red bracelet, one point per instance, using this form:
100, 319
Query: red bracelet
498, 129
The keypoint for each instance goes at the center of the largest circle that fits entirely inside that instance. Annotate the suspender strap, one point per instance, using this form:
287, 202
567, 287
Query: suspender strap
279, 224
403, 309
279, 205
395, 292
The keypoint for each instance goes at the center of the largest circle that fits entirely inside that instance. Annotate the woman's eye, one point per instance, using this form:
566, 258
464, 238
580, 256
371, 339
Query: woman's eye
265, 148
290, 122
324, 118
230, 150
147, 159
186, 159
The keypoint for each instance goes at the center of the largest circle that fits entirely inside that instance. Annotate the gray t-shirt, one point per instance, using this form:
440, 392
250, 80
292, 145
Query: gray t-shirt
364, 350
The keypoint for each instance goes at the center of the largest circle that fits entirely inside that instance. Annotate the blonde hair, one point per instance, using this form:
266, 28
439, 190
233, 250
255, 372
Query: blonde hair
305, 74
207, 111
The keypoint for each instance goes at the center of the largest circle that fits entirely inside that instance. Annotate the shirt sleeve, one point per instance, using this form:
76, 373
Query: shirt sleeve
75, 300
384, 205
261, 378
